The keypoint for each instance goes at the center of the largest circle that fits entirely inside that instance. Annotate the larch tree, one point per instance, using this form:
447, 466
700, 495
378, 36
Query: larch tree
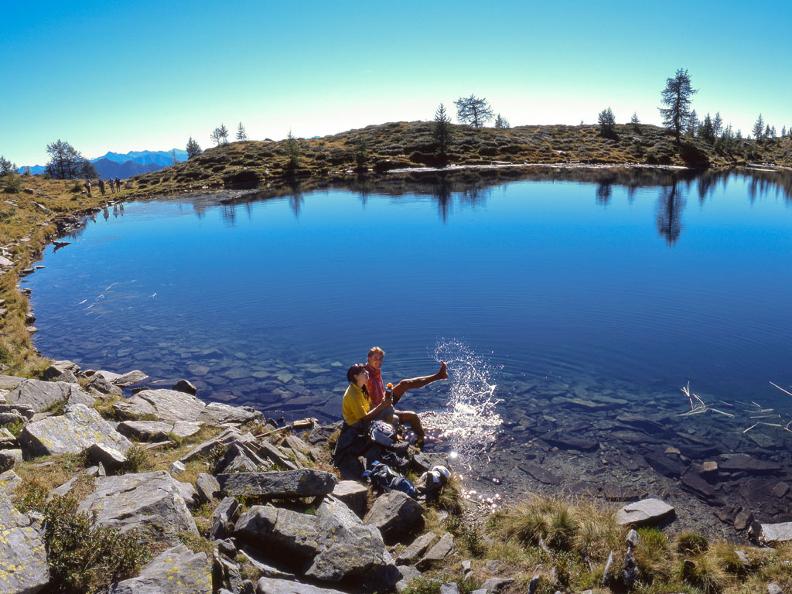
220, 135
677, 98
66, 162
474, 111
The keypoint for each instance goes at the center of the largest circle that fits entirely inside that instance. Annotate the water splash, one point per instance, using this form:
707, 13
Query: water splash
470, 421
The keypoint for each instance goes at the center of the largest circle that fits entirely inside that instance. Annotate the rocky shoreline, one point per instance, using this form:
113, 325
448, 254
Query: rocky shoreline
274, 515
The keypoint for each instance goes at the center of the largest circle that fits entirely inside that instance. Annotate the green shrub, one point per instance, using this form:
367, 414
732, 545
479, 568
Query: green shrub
13, 185
138, 459
83, 558
691, 543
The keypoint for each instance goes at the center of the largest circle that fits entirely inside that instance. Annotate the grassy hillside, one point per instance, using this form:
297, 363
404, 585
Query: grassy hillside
380, 148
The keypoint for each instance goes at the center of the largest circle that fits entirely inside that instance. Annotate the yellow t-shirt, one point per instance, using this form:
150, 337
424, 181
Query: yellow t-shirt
355, 404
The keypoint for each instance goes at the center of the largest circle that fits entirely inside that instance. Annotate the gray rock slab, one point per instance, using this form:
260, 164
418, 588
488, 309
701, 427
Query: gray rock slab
40, 395
129, 378
224, 517
207, 486
184, 429
416, 549
9, 481
217, 413
70, 433
396, 515
437, 553
265, 569
408, 574
203, 448
151, 501
9, 459
111, 458
145, 430
166, 405
646, 511
268, 585
354, 495
175, 571
449, 588
746, 463
771, 534
23, 559
290, 483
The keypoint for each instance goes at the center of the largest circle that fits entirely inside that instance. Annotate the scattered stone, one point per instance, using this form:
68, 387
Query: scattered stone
646, 511
354, 495
780, 489
145, 430
622, 492
449, 588
267, 585
174, 571
61, 371
185, 386
177, 467
151, 501
437, 553
771, 534
743, 519
417, 548
23, 559
408, 574
664, 464
207, 486
773, 588
79, 428
103, 386
396, 515
276, 455
708, 468
672, 451
496, 584
111, 458
289, 483
693, 482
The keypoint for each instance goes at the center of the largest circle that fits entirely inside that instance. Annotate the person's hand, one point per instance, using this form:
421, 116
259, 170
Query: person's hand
388, 400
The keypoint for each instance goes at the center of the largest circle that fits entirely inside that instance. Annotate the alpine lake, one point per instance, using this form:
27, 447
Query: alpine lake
571, 305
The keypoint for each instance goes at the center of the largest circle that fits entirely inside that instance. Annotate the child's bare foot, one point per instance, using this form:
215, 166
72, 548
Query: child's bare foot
442, 373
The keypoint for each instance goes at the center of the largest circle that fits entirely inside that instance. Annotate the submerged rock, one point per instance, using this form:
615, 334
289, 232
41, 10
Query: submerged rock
71, 433
151, 501
646, 511
174, 571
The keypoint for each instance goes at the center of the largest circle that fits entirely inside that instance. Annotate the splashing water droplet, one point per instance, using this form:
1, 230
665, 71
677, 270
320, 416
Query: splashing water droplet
469, 422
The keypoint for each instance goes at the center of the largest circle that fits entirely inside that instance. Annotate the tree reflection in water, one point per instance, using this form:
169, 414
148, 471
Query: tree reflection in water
669, 212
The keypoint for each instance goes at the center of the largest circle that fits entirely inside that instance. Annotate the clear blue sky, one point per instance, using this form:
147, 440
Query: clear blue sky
147, 74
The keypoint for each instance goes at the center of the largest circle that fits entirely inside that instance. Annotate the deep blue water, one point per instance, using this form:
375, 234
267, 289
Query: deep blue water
645, 288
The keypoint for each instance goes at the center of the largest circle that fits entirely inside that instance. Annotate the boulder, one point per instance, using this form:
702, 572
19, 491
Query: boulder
290, 483
437, 553
207, 486
9, 459
354, 495
449, 588
151, 501
145, 430
166, 405
23, 560
217, 413
396, 515
771, 534
40, 395
71, 433
646, 511
184, 429
224, 517
331, 546
185, 386
103, 386
416, 549
129, 378
9, 481
61, 371
111, 458
174, 571
408, 573
267, 585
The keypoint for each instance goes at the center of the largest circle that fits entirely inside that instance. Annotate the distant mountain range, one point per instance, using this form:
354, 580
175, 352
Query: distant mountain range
125, 165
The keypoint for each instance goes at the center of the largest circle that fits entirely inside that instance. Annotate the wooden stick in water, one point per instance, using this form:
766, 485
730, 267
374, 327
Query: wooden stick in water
787, 392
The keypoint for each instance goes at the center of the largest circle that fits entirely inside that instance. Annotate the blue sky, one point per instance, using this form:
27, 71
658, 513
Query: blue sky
112, 75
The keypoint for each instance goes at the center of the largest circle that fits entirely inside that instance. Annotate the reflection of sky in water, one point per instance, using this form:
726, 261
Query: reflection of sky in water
646, 286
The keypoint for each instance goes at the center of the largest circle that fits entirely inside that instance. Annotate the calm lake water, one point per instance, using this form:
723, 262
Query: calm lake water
626, 285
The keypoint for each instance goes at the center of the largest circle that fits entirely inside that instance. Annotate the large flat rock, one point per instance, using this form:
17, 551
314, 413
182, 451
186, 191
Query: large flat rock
290, 483
274, 586
175, 571
166, 405
217, 413
646, 511
71, 433
151, 501
771, 534
40, 395
23, 560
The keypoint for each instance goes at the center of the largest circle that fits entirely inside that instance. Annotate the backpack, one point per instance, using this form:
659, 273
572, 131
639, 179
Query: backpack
384, 478
382, 433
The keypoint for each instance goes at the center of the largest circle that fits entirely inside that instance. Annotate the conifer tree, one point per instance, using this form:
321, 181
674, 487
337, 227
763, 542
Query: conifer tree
220, 135
677, 97
241, 134
193, 149
692, 123
759, 127
442, 130
607, 122
475, 111
501, 122
717, 124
